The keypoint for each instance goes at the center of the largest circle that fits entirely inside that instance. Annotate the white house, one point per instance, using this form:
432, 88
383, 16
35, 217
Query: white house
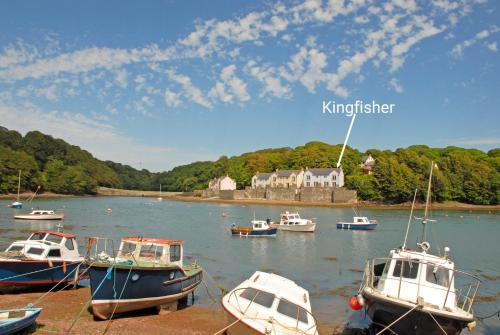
288, 178
262, 180
367, 163
323, 177
222, 183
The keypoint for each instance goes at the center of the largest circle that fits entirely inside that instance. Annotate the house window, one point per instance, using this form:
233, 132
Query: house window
308, 184
293, 179
334, 177
175, 253
308, 177
327, 184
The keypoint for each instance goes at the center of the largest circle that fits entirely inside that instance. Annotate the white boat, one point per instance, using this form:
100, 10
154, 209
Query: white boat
292, 221
415, 292
269, 304
39, 214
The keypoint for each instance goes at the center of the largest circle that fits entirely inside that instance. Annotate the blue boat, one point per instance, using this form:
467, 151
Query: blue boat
146, 273
15, 320
16, 204
260, 228
44, 259
359, 223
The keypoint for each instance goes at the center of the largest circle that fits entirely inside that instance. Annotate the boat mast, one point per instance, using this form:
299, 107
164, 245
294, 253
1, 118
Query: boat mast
427, 203
18, 185
409, 220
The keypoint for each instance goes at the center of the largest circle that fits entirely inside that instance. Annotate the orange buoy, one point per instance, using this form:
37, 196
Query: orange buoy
354, 303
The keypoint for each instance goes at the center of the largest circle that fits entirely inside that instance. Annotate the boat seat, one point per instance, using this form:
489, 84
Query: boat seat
4, 315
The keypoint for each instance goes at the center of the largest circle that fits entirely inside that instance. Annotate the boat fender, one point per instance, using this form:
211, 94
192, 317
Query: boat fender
50, 263
360, 298
471, 325
354, 303
64, 266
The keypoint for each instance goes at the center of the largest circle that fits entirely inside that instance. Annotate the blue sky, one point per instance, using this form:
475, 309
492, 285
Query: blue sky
160, 83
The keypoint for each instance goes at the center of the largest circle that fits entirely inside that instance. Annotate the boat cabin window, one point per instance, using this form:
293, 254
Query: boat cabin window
175, 253
16, 248
437, 275
54, 238
35, 251
128, 248
69, 244
410, 269
151, 251
259, 297
37, 236
292, 311
258, 225
54, 253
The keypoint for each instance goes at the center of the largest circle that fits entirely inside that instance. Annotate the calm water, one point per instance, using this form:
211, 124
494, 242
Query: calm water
326, 263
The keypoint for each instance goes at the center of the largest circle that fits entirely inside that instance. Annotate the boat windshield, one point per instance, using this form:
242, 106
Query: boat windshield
127, 249
37, 236
293, 311
54, 238
437, 275
151, 251
259, 297
16, 248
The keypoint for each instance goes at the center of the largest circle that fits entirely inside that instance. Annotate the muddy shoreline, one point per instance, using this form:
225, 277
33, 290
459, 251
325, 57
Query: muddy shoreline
61, 309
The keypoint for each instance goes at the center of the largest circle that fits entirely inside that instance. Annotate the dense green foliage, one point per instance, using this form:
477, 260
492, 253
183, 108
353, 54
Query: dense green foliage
464, 175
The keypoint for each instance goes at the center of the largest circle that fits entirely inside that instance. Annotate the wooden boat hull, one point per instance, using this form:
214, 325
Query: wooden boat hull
356, 226
247, 232
30, 273
309, 228
12, 324
142, 287
39, 217
417, 322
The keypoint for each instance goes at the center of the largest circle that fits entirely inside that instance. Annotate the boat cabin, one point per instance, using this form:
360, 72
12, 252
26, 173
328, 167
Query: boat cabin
419, 277
47, 245
361, 219
42, 212
261, 224
151, 250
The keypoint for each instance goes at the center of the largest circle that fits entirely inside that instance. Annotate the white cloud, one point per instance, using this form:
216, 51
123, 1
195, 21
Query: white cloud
172, 99
121, 78
190, 91
492, 46
458, 49
395, 85
230, 86
271, 81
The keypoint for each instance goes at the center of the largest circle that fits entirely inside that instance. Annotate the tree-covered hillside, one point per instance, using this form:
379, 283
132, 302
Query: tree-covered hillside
464, 175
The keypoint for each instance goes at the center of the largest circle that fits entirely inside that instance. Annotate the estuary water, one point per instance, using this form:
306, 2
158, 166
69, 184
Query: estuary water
328, 263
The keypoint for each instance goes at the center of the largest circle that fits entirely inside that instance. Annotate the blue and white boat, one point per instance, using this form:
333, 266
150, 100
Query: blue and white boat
16, 204
45, 258
15, 320
146, 273
260, 228
358, 223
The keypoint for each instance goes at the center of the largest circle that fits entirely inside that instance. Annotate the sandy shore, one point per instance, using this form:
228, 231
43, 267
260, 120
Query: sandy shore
60, 310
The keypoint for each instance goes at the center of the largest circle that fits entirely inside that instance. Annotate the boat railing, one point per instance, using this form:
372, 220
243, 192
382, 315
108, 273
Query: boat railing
309, 331
100, 249
465, 291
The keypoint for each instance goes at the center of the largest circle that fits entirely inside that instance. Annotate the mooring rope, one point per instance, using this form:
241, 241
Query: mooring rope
59, 282
397, 320
85, 306
482, 318
121, 293
432, 316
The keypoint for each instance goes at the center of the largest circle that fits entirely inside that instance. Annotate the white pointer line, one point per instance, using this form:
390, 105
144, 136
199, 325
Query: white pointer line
346, 139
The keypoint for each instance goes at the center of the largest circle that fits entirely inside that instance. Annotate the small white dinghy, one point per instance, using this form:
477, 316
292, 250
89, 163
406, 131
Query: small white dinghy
38, 214
269, 304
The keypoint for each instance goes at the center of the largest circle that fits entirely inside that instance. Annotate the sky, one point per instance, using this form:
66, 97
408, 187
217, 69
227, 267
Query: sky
156, 84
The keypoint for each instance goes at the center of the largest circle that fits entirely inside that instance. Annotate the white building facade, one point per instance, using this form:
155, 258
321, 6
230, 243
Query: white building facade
262, 180
222, 184
323, 177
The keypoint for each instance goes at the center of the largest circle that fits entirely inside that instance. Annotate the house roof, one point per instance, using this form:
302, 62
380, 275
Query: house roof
286, 173
324, 171
263, 176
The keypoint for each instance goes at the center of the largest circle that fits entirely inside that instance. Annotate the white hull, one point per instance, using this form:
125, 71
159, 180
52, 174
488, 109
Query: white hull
39, 217
309, 228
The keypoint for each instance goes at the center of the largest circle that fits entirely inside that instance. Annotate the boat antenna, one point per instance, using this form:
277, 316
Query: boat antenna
409, 219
